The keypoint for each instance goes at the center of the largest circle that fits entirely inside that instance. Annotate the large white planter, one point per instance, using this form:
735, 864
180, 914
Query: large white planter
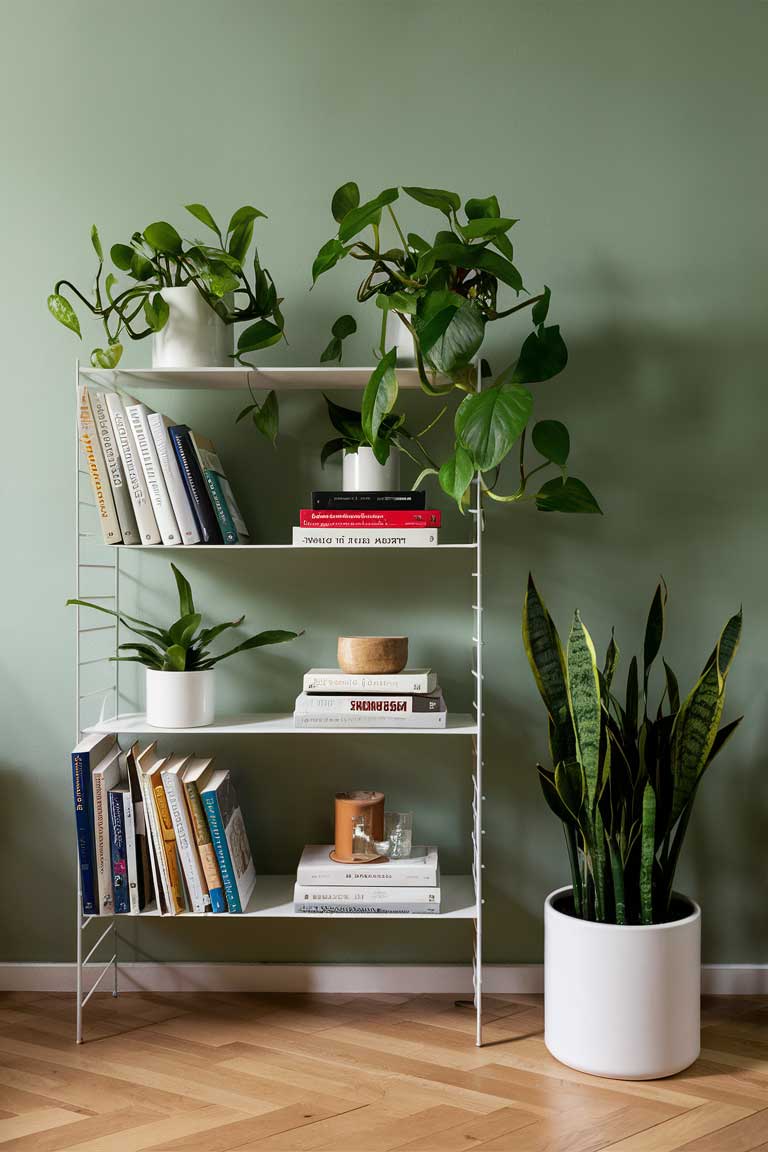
363, 473
180, 699
398, 336
621, 1001
194, 335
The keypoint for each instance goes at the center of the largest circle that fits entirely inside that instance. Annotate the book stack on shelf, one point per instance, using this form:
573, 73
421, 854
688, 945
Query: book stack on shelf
157, 831
406, 886
352, 519
335, 699
153, 481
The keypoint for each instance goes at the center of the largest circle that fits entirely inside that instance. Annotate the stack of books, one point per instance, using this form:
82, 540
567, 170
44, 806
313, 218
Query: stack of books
153, 481
351, 519
157, 830
408, 886
334, 699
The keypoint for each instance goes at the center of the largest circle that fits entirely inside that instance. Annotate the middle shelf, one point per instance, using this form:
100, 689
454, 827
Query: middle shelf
276, 723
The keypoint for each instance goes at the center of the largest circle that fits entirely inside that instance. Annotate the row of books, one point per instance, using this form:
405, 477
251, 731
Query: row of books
351, 519
157, 830
153, 481
410, 885
334, 699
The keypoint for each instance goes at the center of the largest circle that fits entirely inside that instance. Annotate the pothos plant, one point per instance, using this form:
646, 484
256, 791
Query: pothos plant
392, 434
446, 291
232, 282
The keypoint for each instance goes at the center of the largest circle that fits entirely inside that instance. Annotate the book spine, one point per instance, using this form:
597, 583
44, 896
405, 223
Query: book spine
365, 501
322, 878
170, 469
190, 861
309, 518
221, 508
165, 828
221, 848
145, 517
348, 894
339, 682
335, 703
102, 848
81, 787
367, 720
102, 490
130, 852
119, 861
205, 847
114, 469
367, 909
154, 844
197, 490
150, 466
365, 537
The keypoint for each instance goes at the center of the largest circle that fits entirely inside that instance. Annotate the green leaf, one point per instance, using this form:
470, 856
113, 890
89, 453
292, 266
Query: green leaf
545, 656
438, 310
478, 209
406, 302
654, 632
245, 215
267, 417
673, 691
344, 200
141, 268
611, 661
240, 240
175, 658
201, 213
330, 448
541, 307
504, 245
569, 495
345, 420
97, 243
246, 412
186, 602
542, 356
550, 438
488, 423
456, 474
328, 256
107, 357
547, 781
569, 782
163, 237
647, 854
370, 213
156, 312
275, 636
61, 310
435, 198
418, 243
262, 334
485, 227
209, 634
584, 697
379, 396
454, 348
183, 630
332, 350
109, 284
122, 256
343, 327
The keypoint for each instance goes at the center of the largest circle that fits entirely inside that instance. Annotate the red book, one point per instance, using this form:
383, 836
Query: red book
408, 518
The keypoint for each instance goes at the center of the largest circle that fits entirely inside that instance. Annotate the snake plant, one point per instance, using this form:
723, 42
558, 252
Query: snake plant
183, 646
624, 778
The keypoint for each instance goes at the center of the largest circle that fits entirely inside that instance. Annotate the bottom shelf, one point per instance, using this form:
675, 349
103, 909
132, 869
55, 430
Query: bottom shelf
273, 896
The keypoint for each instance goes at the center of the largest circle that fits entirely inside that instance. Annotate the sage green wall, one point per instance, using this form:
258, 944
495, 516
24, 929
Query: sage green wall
629, 139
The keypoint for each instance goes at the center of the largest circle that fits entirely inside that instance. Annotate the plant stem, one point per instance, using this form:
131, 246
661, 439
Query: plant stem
493, 315
399, 229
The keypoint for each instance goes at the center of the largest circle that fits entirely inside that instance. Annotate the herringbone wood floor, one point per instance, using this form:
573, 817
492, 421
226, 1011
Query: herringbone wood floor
207, 1073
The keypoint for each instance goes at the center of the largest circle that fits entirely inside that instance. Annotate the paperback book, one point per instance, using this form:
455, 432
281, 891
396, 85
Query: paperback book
337, 703
137, 415
376, 501
105, 776
186, 845
230, 839
333, 680
370, 720
429, 518
362, 537
195, 775
118, 850
88, 752
195, 484
169, 466
231, 524
419, 870
114, 469
90, 444
142, 508
398, 901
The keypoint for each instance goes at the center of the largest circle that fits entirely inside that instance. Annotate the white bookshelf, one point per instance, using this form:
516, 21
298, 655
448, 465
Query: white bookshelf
462, 897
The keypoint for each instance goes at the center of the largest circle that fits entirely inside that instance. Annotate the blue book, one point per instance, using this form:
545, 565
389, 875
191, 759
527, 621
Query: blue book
195, 485
230, 839
85, 757
118, 850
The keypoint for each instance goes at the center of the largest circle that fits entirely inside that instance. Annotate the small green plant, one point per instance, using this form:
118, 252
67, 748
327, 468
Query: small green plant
623, 778
446, 291
183, 647
392, 433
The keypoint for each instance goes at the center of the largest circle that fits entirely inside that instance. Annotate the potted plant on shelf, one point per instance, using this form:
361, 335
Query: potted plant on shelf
622, 948
187, 295
442, 293
180, 669
367, 467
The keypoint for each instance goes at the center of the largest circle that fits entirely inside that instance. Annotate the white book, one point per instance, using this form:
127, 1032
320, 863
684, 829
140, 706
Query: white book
106, 775
420, 869
332, 680
142, 508
137, 415
421, 898
129, 824
90, 444
120, 492
373, 705
146, 762
367, 720
185, 838
182, 509
365, 537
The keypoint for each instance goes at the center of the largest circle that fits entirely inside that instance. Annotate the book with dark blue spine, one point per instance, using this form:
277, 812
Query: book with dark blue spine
230, 839
118, 850
86, 756
195, 485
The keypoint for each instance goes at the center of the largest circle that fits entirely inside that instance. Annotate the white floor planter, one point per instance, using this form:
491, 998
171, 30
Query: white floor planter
194, 335
621, 1001
363, 473
180, 699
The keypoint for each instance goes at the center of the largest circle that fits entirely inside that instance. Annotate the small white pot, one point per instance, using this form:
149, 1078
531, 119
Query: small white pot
363, 473
180, 699
397, 335
194, 335
621, 1001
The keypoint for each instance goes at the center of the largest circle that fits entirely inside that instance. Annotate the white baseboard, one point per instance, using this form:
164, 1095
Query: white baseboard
716, 979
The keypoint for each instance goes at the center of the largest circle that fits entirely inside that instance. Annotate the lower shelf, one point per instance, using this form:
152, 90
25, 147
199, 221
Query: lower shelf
273, 896
272, 723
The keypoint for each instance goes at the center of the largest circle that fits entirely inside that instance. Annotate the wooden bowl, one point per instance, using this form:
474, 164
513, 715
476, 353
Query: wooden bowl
372, 655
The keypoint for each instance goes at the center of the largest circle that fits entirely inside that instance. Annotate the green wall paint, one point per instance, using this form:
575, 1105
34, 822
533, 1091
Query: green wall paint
629, 140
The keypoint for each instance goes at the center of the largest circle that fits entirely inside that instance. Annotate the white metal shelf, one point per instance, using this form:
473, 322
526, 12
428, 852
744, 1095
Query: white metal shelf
273, 897
180, 548
273, 724
320, 378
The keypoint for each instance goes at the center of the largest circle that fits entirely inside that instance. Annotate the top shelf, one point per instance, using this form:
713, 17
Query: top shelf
321, 378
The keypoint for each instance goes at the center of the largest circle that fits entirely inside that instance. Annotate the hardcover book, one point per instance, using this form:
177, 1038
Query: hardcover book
105, 776
337, 703
137, 415
231, 524
169, 466
90, 444
194, 777
144, 865
148, 764
129, 823
168, 837
429, 518
186, 843
142, 509
352, 897
381, 501
111, 453
371, 720
420, 869
230, 839
362, 537
333, 680
118, 851
90, 750
195, 484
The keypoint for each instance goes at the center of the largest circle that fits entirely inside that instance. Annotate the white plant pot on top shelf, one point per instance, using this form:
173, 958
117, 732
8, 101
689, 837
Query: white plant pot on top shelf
622, 1000
361, 472
180, 699
194, 336
400, 337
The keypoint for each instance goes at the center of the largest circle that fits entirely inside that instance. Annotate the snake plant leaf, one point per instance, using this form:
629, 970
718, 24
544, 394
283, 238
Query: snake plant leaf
584, 697
545, 656
344, 200
725, 649
599, 861
488, 423
673, 690
720, 740
548, 787
379, 396
611, 661
617, 875
569, 782
272, 636
186, 602
654, 633
647, 854
632, 700
175, 658
61, 310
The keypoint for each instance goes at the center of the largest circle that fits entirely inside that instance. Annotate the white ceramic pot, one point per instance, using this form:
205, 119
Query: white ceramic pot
180, 699
363, 473
397, 335
194, 335
621, 1001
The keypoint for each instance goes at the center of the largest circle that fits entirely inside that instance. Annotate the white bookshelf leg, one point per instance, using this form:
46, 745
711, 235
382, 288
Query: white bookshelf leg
478, 797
